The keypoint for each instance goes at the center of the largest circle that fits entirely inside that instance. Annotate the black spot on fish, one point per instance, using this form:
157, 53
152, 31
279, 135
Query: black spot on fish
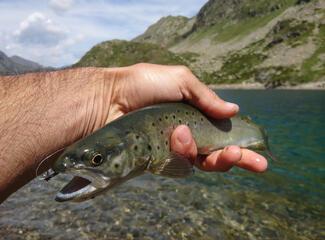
160, 119
158, 147
166, 143
186, 113
137, 136
116, 165
135, 148
161, 132
166, 117
192, 113
153, 124
178, 111
149, 147
180, 121
202, 119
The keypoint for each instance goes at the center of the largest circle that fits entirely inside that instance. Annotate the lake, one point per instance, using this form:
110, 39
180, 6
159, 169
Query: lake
287, 202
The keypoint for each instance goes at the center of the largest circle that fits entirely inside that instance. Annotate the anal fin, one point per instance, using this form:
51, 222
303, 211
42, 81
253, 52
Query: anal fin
176, 166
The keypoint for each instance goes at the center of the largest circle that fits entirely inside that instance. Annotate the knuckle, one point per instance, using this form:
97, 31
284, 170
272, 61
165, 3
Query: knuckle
183, 70
185, 76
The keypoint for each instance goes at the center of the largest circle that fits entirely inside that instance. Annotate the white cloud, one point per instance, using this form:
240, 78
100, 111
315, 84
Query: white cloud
59, 32
61, 5
61, 54
40, 39
37, 29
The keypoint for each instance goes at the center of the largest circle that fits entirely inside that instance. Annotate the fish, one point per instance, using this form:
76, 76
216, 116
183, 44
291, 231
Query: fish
139, 143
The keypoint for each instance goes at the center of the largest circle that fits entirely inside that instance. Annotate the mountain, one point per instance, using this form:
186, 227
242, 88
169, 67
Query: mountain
276, 43
167, 30
123, 53
24, 62
17, 65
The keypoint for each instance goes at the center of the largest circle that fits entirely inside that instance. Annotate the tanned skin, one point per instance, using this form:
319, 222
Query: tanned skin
42, 113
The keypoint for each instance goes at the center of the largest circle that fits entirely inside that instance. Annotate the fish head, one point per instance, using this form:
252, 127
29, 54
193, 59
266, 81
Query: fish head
97, 163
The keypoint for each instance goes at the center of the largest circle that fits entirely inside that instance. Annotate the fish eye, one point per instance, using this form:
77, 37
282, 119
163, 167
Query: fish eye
97, 159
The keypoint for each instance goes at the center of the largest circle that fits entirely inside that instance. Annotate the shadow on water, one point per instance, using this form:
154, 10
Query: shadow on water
284, 203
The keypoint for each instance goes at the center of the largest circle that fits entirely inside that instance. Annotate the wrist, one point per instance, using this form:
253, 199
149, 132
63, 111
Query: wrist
80, 100
41, 113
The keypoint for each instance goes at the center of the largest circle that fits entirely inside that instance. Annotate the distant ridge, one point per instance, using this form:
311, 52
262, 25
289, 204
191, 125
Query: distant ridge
17, 65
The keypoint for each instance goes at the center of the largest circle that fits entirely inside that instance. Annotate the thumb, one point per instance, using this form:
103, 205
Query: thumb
183, 143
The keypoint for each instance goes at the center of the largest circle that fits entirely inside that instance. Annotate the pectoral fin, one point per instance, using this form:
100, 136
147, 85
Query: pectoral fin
176, 166
207, 150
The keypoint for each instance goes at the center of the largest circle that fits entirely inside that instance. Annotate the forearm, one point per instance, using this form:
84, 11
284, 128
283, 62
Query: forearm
42, 113
32, 109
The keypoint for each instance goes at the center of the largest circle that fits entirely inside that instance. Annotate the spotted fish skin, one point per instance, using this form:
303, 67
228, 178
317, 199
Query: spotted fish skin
139, 142
152, 127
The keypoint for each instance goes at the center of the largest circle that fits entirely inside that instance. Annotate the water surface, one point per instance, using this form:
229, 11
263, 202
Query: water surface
287, 202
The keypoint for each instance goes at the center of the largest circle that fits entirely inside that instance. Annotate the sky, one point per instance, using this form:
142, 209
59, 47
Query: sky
58, 32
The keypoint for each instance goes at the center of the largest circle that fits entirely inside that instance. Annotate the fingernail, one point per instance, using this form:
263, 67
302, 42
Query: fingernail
261, 165
184, 137
232, 106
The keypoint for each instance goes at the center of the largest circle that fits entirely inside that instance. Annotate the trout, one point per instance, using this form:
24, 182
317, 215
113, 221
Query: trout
139, 142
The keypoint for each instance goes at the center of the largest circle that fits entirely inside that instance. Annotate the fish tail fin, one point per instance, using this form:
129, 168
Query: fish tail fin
267, 150
270, 155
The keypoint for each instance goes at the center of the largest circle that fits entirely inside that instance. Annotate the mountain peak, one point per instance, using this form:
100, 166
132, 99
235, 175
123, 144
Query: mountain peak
25, 62
17, 65
221, 11
167, 30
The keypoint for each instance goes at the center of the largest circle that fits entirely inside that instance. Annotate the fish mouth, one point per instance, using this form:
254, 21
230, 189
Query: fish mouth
85, 184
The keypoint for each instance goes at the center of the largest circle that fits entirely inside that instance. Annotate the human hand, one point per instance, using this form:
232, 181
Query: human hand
42, 113
147, 84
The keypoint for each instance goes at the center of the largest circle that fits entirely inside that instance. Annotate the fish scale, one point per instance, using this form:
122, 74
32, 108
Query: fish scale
207, 132
139, 142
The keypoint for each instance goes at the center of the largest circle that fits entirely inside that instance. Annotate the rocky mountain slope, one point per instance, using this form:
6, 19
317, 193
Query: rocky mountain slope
275, 43
16, 65
167, 30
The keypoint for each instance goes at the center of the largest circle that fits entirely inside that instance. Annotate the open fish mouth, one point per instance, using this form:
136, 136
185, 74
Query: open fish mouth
85, 184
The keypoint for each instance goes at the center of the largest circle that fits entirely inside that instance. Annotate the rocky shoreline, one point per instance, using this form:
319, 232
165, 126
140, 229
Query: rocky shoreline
319, 85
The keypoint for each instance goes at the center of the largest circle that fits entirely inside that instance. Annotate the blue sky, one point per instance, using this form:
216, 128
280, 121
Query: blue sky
59, 32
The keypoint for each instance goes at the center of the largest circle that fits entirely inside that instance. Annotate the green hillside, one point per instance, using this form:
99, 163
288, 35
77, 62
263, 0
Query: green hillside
276, 43
118, 53
265, 61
